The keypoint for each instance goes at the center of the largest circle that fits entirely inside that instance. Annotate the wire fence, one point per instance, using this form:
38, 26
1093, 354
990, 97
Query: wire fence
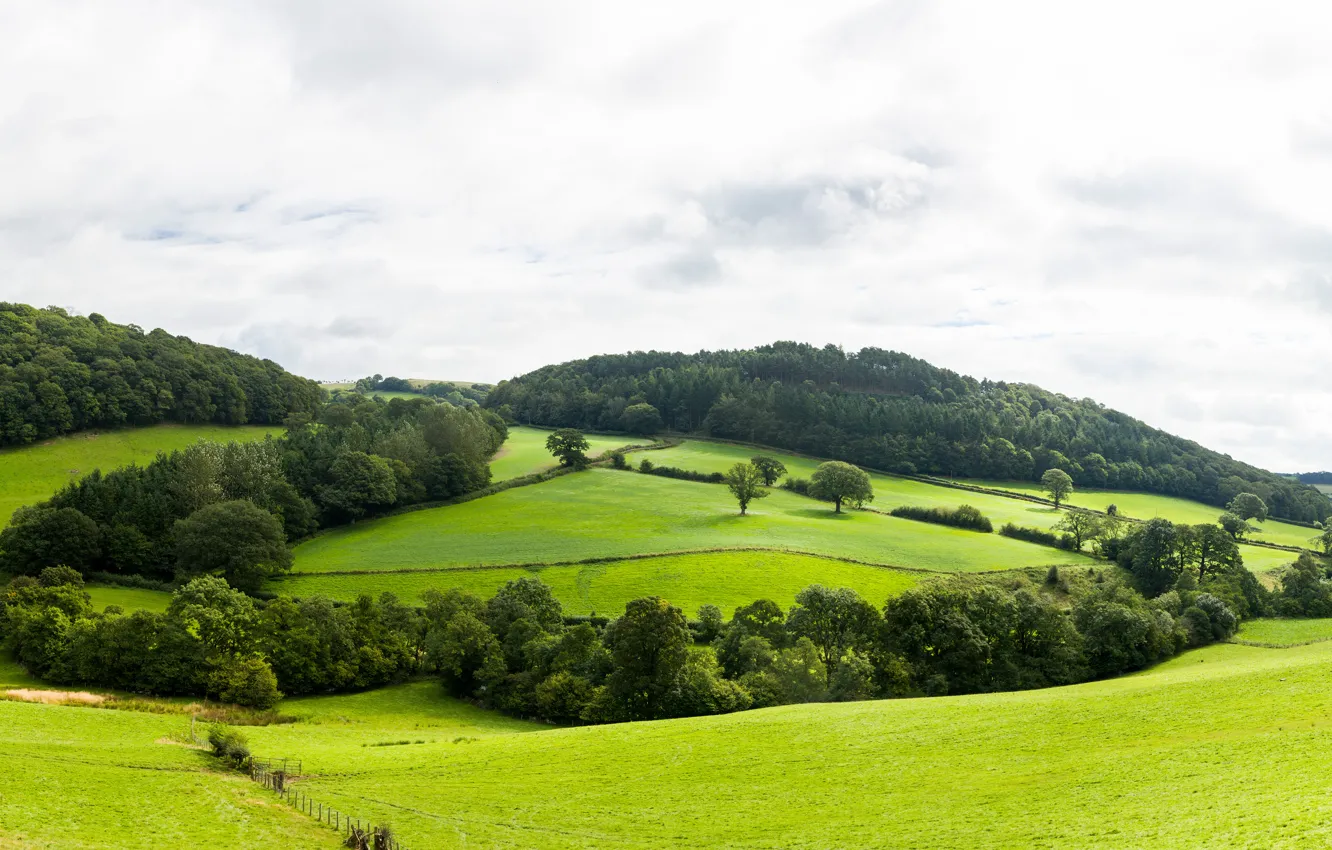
278, 775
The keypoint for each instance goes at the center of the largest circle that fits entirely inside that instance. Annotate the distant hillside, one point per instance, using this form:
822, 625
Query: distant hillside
889, 411
1314, 477
61, 373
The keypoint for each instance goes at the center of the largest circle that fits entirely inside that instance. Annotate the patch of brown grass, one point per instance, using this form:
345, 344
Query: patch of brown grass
54, 697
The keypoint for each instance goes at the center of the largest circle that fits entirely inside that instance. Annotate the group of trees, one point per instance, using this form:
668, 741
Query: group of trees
459, 395
886, 410
61, 373
231, 509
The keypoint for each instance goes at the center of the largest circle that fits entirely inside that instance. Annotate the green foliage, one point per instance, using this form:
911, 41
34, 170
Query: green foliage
641, 419
769, 467
745, 481
1248, 506
229, 745
65, 373
834, 620
839, 482
1058, 485
963, 516
237, 540
1081, 526
245, 681
648, 646
710, 623
359, 483
41, 537
1305, 590
570, 446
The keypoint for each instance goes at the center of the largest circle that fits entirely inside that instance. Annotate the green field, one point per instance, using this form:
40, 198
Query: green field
128, 598
525, 451
30, 474
601, 513
1278, 632
95, 778
1179, 756
724, 579
1149, 506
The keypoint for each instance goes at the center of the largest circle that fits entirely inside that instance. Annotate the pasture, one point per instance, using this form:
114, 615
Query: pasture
1279, 632
1150, 506
97, 778
602, 513
32, 473
724, 579
128, 598
1091, 765
524, 453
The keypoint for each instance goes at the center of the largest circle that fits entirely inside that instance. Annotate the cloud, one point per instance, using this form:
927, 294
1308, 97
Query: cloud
1116, 200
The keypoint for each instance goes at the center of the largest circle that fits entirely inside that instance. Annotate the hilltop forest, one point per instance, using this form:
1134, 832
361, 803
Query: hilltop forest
61, 373
889, 411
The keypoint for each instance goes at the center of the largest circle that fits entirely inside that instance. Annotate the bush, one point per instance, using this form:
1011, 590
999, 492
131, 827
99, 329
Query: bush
59, 577
796, 485
1037, 535
617, 460
646, 466
229, 745
245, 681
682, 474
963, 516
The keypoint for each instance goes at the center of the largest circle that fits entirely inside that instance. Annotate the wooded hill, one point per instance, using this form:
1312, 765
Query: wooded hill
889, 411
61, 373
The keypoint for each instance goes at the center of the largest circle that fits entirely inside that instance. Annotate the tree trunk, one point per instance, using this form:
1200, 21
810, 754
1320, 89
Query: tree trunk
837, 505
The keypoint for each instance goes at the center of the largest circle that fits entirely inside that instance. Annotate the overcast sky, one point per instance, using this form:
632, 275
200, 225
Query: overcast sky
1130, 201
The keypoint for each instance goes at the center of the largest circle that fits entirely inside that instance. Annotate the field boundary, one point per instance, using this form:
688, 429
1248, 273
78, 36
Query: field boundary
365, 837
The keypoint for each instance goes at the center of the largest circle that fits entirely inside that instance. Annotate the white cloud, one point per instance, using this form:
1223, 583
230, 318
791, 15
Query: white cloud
1125, 200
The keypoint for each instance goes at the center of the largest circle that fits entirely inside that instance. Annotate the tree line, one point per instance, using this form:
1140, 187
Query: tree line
886, 410
232, 509
61, 373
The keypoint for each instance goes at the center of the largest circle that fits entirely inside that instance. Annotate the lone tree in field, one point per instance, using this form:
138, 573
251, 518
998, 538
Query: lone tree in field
770, 467
570, 446
1058, 484
745, 481
839, 482
1080, 525
1247, 506
238, 540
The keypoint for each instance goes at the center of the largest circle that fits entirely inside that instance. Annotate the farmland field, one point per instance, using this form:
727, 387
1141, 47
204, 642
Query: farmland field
1081, 766
724, 579
1278, 632
601, 513
525, 451
128, 598
1149, 506
96, 778
30, 474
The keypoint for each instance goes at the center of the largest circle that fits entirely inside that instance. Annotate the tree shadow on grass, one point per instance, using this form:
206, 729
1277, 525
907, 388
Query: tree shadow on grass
822, 513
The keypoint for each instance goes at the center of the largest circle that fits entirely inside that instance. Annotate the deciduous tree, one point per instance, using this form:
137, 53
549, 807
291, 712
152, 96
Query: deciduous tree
839, 482
745, 482
570, 446
1057, 484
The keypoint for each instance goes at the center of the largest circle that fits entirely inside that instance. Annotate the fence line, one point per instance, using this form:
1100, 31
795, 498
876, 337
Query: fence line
276, 776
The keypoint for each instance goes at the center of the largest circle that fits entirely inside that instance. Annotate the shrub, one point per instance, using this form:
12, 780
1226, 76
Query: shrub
229, 745
963, 516
646, 466
682, 474
1037, 535
796, 485
60, 577
245, 681
617, 460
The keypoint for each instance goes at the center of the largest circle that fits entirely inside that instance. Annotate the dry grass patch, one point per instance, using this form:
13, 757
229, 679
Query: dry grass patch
55, 697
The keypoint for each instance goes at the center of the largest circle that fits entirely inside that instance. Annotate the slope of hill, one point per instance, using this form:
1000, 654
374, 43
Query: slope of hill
61, 373
890, 411
525, 452
605, 514
31, 474
1091, 765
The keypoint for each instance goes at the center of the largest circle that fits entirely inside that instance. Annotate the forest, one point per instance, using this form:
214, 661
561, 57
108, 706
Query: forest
889, 411
61, 373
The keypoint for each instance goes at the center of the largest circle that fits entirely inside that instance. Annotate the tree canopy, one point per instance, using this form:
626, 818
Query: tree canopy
839, 482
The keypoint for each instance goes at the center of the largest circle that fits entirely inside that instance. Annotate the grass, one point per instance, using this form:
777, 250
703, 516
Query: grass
724, 579
601, 513
1178, 756
1277, 632
30, 474
128, 598
525, 451
1150, 506
94, 778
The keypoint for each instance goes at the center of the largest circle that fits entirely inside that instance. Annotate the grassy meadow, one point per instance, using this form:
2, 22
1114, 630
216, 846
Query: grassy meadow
1280, 632
602, 513
525, 451
724, 579
1179, 756
96, 778
128, 598
1151, 505
30, 474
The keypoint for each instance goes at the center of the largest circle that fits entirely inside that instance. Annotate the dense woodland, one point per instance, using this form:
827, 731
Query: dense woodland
889, 411
231, 509
61, 373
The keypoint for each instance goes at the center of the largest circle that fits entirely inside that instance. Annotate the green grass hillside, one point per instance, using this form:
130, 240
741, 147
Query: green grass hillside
1179, 756
128, 598
1278, 632
525, 452
95, 778
724, 579
601, 513
30, 474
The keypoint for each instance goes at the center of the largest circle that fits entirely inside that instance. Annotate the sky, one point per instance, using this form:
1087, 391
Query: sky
1127, 201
